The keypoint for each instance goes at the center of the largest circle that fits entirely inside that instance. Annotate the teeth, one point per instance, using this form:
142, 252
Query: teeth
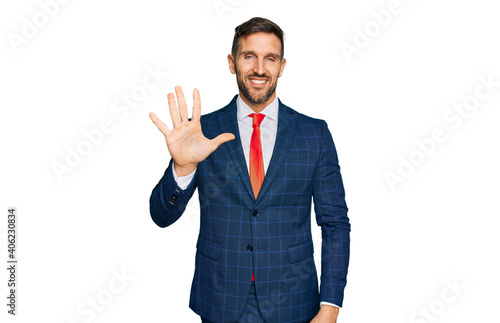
257, 81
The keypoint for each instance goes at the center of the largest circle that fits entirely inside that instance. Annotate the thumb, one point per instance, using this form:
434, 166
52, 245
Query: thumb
222, 138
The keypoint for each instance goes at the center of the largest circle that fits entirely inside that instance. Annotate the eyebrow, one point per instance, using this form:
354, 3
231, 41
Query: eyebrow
274, 55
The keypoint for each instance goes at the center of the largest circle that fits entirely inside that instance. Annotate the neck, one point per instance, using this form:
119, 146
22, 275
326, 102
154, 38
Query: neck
258, 107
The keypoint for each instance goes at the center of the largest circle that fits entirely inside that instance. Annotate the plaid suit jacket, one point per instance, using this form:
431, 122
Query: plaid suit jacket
271, 234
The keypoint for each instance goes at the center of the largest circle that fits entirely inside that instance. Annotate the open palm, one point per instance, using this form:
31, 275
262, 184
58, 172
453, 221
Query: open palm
186, 143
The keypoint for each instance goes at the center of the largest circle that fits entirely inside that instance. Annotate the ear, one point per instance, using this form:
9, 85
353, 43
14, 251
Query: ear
230, 60
282, 66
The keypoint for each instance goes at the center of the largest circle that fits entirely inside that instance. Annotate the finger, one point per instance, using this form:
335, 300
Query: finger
222, 138
174, 113
181, 100
160, 124
196, 105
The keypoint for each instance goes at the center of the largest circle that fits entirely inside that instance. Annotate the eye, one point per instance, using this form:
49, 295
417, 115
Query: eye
271, 59
248, 56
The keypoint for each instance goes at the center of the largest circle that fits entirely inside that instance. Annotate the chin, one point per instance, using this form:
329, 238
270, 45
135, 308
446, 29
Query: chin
259, 100
260, 95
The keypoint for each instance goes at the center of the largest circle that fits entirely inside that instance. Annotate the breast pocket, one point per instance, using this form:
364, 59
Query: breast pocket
295, 157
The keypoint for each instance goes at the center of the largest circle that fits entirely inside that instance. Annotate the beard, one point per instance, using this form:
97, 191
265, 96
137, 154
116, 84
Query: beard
255, 98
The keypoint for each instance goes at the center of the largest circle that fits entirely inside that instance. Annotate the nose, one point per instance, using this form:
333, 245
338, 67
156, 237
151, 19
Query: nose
259, 67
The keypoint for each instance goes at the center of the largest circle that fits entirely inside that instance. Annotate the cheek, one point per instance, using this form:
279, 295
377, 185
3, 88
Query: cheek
245, 67
275, 72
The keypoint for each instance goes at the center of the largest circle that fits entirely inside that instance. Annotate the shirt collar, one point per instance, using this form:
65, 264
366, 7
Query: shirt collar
270, 111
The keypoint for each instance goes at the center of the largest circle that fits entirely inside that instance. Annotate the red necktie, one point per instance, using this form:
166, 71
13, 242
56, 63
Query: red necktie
256, 158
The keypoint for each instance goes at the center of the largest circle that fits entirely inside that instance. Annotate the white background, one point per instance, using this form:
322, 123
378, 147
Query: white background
437, 226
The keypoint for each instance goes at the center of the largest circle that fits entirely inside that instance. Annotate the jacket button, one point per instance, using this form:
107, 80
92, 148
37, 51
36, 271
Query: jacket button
255, 213
250, 247
173, 198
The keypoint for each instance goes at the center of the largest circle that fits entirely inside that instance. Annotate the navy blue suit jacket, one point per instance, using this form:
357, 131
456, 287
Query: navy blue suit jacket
271, 234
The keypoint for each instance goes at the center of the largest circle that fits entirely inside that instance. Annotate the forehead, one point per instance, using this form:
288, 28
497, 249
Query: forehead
260, 43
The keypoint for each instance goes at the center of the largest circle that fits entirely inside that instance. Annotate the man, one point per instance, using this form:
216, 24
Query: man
257, 164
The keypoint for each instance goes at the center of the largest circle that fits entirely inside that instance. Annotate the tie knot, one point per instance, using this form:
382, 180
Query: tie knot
257, 118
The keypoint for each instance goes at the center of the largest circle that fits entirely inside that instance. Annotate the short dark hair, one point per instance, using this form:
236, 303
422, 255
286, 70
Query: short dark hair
257, 25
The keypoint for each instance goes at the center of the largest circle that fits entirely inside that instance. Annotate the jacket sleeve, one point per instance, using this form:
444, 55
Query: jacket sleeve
331, 214
168, 201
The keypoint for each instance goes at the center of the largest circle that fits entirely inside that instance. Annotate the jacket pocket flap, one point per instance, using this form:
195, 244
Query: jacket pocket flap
300, 251
208, 248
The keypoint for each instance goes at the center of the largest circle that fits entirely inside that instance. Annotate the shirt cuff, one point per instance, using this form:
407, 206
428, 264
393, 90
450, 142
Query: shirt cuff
182, 181
326, 303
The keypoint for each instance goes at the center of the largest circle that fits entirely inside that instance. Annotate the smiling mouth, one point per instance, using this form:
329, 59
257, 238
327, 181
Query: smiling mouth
258, 81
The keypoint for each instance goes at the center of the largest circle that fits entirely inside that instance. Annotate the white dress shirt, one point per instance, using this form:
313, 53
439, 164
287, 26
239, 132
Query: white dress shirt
268, 130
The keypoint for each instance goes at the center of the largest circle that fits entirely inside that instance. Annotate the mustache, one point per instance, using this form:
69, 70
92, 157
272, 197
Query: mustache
259, 76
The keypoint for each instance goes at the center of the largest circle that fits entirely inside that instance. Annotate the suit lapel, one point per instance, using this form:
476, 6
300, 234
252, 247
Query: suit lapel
287, 122
228, 122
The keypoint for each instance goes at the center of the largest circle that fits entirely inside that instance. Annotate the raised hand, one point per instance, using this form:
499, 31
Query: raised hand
186, 143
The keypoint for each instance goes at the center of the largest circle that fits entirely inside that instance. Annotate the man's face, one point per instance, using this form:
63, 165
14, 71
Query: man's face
258, 66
